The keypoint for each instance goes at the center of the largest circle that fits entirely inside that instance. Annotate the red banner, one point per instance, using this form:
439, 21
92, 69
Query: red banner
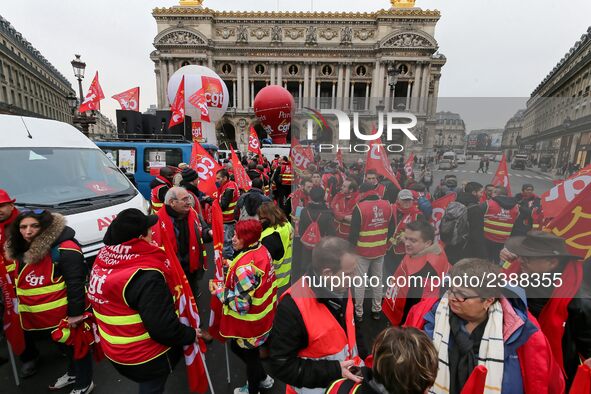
206, 168
129, 100
93, 98
301, 156
178, 106
408, 166
501, 178
199, 101
254, 145
439, 207
197, 131
212, 91
240, 177
12, 325
573, 224
377, 160
217, 226
476, 381
189, 316
565, 192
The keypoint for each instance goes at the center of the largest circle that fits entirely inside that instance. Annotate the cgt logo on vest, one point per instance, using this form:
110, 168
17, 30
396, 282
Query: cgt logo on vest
395, 122
34, 280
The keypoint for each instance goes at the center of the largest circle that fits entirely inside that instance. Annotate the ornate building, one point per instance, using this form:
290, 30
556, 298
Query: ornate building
450, 131
362, 62
29, 84
103, 128
557, 121
512, 135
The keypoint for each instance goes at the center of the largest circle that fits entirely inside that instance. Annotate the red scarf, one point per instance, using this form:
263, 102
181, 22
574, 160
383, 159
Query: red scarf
195, 248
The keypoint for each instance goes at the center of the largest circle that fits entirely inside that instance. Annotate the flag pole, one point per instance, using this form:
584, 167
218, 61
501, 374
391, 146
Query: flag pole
206, 372
13, 364
227, 361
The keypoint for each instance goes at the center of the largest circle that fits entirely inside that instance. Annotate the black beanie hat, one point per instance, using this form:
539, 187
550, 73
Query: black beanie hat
189, 175
129, 224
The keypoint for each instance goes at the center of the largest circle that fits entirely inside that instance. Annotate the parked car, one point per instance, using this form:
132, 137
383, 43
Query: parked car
518, 164
445, 164
461, 159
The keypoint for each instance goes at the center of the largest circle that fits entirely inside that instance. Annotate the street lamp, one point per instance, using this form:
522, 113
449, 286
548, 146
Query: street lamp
72, 102
79, 67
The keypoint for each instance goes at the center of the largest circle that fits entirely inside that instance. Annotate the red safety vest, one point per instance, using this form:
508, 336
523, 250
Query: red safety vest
401, 222
373, 234
42, 298
286, 174
498, 222
259, 319
343, 205
124, 338
228, 213
381, 189
326, 338
156, 203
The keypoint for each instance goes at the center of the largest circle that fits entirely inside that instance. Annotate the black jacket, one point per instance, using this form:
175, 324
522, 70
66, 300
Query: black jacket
162, 192
322, 214
274, 245
475, 246
289, 335
251, 202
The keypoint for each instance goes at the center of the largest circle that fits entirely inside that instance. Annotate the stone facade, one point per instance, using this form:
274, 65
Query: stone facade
103, 127
512, 135
450, 131
557, 121
29, 84
325, 59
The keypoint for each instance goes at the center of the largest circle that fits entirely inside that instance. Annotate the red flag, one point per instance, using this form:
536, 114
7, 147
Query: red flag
564, 192
254, 145
377, 160
129, 100
240, 176
93, 98
12, 325
439, 207
408, 166
178, 106
476, 381
340, 159
217, 226
502, 176
582, 382
200, 102
301, 156
188, 315
573, 224
206, 168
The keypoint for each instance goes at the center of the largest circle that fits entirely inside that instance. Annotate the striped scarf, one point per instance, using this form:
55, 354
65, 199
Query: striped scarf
491, 353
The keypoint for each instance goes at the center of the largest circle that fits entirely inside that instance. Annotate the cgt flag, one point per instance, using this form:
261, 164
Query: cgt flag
240, 176
12, 324
199, 101
129, 100
93, 98
408, 166
501, 178
206, 168
573, 224
439, 207
177, 107
565, 192
217, 227
254, 145
301, 156
377, 160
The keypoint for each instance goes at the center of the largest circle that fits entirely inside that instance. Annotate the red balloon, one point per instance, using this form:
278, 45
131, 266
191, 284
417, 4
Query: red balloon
274, 107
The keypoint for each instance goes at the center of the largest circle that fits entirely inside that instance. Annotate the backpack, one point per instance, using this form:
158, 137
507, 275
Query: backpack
311, 236
454, 227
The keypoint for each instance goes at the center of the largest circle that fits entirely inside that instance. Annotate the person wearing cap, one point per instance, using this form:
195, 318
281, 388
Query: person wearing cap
187, 232
405, 210
563, 310
178, 176
159, 186
50, 287
190, 181
8, 213
371, 227
131, 292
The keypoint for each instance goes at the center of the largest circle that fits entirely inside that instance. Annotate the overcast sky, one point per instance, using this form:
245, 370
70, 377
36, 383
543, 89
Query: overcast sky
494, 48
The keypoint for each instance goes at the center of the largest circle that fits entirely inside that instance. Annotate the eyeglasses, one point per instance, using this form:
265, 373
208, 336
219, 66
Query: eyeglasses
461, 297
35, 211
186, 199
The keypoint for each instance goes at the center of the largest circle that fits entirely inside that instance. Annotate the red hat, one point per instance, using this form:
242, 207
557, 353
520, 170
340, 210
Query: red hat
5, 198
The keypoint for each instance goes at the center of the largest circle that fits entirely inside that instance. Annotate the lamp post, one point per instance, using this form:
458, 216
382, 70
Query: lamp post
79, 67
81, 119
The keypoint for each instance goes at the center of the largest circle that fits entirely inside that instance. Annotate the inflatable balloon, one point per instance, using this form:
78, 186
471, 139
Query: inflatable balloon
274, 107
206, 96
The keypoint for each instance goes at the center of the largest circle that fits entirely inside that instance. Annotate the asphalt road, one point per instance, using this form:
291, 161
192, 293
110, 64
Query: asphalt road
108, 381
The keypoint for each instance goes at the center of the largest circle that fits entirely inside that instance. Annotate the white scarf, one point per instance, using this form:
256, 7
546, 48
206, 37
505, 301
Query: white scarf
491, 348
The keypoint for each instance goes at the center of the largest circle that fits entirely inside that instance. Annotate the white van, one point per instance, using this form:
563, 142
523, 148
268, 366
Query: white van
452, 157
46, 164
269, 151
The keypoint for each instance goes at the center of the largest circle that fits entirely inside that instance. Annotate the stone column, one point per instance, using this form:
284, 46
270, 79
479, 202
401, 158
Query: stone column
333, 97
251, 94
366, 96
318, 98
408, 95
273, 65
246, 88
339, 97
347, 87
352, 97
424, 89
279, 74
433, 107
234, 102
313, 96
416, 91
210, 61
300, 99
239, 89
306, 84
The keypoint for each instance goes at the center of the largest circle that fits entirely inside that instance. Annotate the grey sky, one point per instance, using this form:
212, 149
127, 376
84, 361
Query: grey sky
496, 48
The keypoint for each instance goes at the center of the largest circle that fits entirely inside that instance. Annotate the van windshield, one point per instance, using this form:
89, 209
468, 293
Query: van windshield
60, 177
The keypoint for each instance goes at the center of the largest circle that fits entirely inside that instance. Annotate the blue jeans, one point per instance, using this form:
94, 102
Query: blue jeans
228, 251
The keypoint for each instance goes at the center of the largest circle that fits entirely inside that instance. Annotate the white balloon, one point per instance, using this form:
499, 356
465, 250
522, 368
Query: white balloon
217, 105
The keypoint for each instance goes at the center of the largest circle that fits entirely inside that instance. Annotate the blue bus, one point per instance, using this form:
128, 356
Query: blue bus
138, 157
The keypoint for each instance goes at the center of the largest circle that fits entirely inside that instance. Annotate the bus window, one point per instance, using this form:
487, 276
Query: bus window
162, 157
122, 157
